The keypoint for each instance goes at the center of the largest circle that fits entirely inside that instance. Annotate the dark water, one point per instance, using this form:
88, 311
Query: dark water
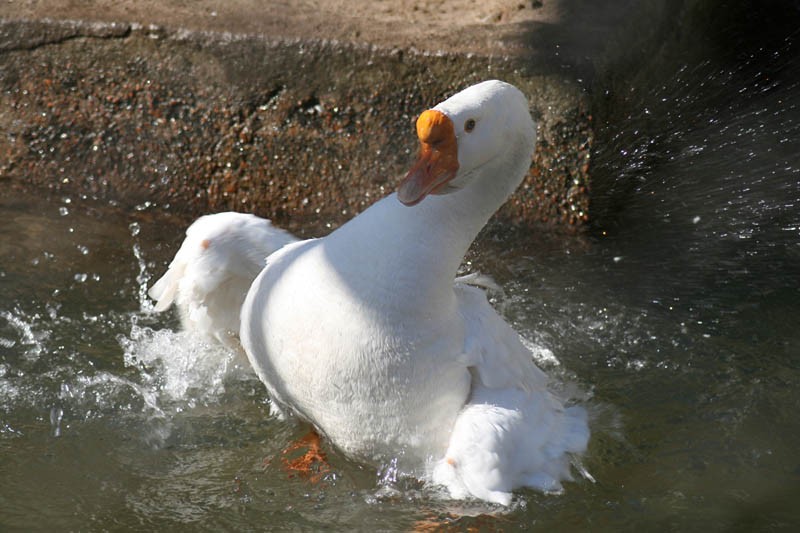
677, 320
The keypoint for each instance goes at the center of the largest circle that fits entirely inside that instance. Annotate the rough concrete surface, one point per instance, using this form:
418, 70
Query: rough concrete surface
299, 111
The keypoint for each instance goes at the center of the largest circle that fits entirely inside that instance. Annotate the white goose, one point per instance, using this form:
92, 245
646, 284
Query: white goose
364, 334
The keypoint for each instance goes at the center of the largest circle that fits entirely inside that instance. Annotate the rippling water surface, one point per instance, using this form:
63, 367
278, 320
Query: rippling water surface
677, 320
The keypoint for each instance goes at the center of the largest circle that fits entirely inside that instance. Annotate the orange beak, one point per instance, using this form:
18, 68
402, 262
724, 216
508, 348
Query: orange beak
438, 158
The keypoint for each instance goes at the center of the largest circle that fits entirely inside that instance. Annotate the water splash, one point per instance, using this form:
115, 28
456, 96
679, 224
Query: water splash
180, 369
143, 277
60, 367
56, 415
30, 340
179, 366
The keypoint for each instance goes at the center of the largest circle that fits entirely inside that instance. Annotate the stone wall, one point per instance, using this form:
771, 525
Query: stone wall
307, 123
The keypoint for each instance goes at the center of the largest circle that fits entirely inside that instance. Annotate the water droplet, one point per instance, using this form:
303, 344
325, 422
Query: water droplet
56, 415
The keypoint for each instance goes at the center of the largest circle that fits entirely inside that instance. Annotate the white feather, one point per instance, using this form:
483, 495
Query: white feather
213, 269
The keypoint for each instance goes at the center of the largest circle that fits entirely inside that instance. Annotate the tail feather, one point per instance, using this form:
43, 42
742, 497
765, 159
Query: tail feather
504, 439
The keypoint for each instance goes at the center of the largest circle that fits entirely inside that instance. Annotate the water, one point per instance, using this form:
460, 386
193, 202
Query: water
676, 320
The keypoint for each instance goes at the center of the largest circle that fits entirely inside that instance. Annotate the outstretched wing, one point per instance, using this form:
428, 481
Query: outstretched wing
213, 269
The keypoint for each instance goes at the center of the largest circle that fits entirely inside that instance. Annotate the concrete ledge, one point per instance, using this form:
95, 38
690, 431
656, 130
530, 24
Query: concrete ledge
290, 126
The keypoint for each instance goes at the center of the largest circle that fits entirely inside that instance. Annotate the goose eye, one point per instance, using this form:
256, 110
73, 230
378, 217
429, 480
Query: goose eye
469, 125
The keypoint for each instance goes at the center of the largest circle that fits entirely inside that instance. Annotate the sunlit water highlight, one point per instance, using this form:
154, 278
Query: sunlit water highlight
676, 323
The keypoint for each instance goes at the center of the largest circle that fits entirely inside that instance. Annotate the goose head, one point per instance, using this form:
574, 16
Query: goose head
484, 132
